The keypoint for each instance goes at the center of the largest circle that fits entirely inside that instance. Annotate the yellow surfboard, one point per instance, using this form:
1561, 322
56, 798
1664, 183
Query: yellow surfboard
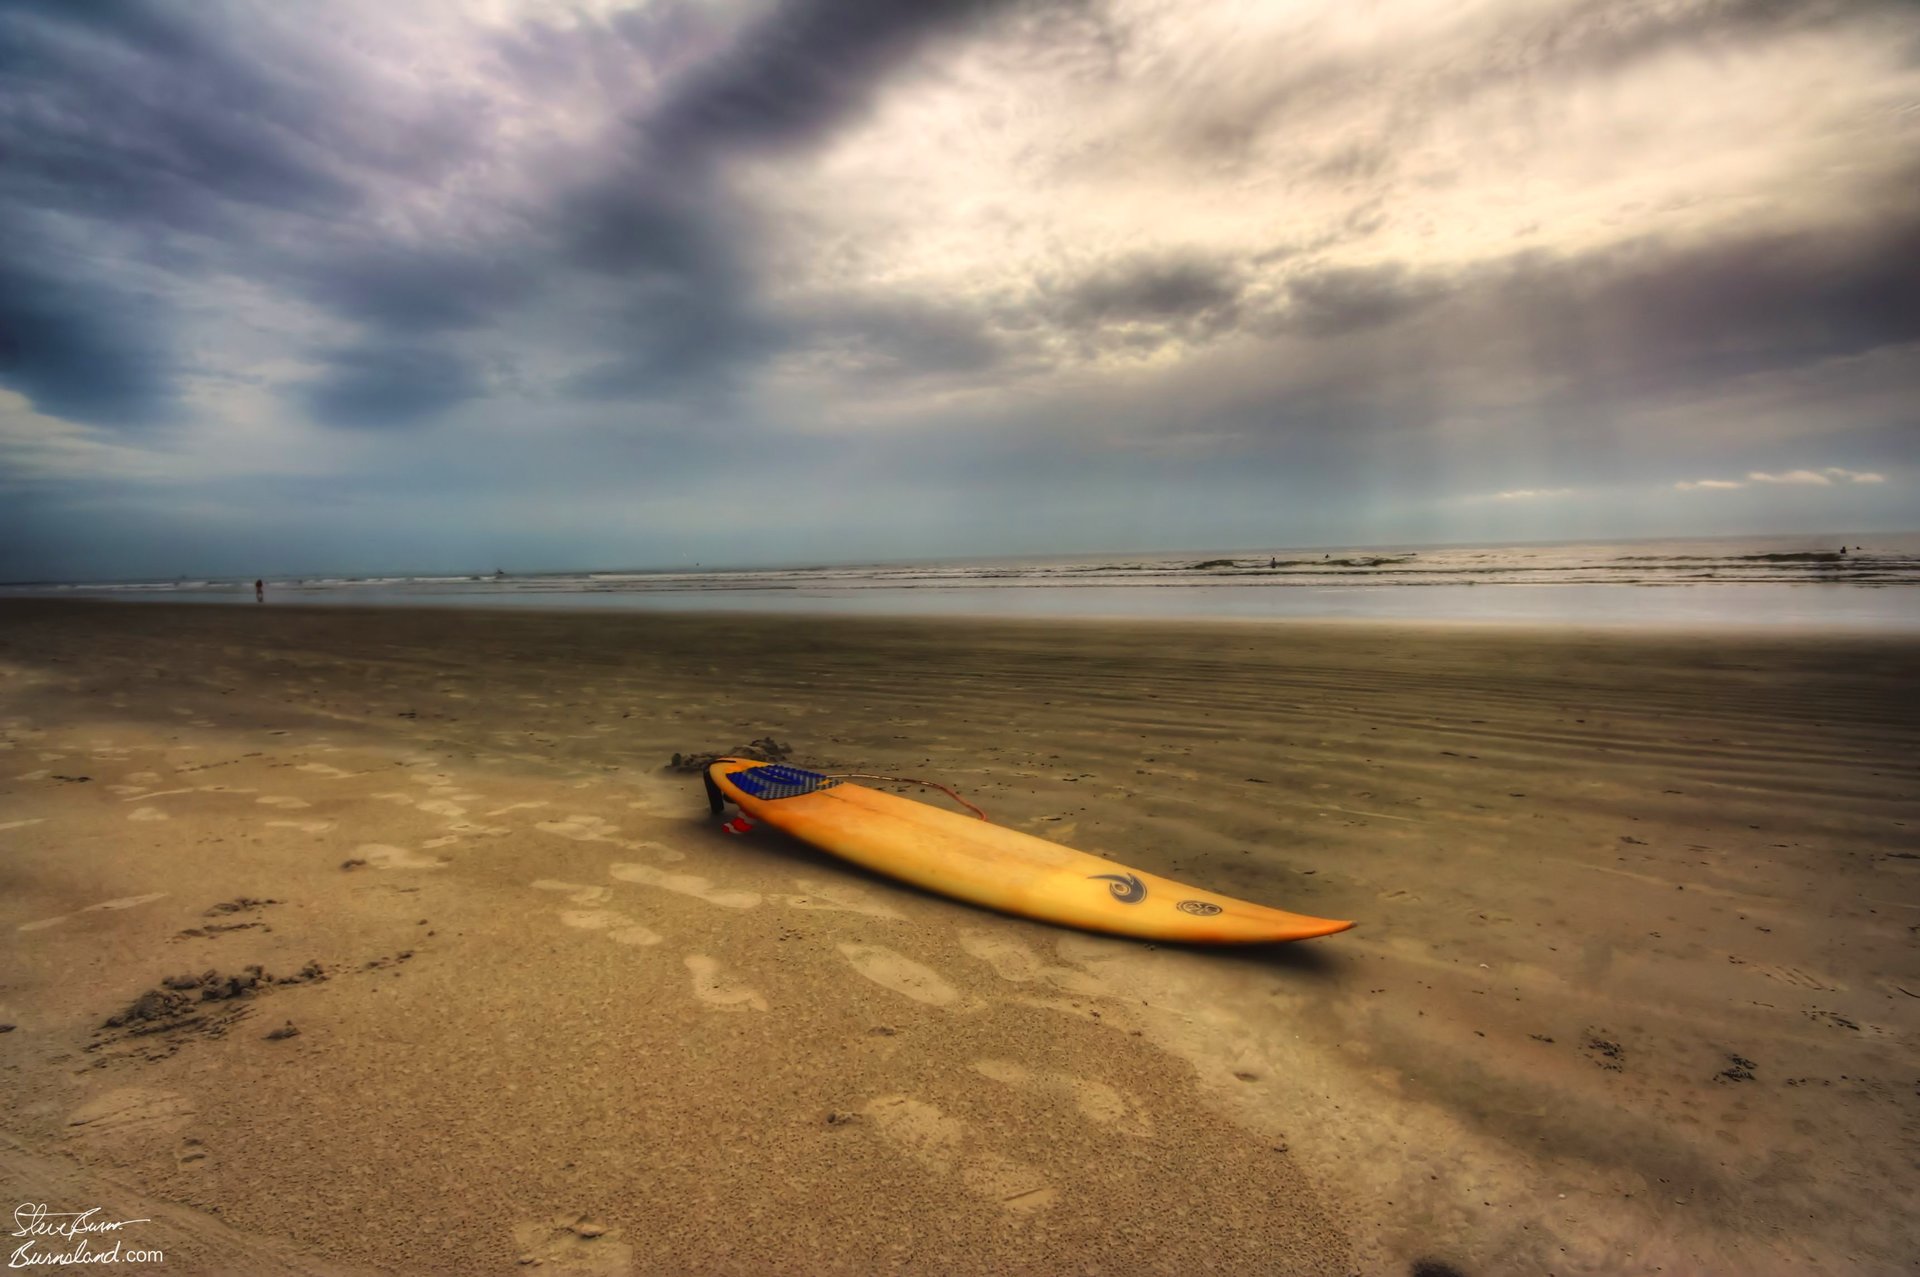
987, 864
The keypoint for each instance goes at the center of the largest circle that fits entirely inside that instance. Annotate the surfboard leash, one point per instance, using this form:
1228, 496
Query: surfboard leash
908, 780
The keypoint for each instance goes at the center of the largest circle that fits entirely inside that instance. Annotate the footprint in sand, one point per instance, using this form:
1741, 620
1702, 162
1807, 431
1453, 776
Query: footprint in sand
1014, 961
618, 926
283, 801
580, 828
573, 1244
324, 769
192, 1155
945, 1145
381, 856
443, 807
685, 885
899, 973
466, 828
1096, 1101
578, 894
708, 987
304, 826
146, 814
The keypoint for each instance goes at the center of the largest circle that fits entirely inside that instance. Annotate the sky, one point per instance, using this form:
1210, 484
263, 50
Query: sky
365, 286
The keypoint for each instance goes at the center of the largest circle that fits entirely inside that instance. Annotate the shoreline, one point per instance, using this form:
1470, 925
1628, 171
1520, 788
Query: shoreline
1597, 875
1898, 629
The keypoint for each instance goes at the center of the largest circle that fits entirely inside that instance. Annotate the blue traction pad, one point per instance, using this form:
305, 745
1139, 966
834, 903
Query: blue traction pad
777, 781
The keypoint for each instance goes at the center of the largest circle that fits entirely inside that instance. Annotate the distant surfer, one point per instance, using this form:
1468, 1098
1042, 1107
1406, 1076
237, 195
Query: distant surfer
259, 591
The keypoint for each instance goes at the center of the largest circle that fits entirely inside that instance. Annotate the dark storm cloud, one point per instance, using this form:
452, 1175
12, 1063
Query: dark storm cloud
1330, 301
80, 347
1653, 316
1550, 348
385, 386
804, 69
661, 220
410, 290
674, 337
128, 110
134, 117
1168, 290
1134, 303
643, 223
224, 144
178, 142
195, 142
1202, 298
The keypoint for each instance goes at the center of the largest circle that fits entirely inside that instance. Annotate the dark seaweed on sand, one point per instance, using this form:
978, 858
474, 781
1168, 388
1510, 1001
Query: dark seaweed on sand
764, 750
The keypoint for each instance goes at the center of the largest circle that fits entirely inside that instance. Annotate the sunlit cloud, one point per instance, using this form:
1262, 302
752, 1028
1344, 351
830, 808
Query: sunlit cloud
1694, 485
1856, 476
1809, 478
1528, 494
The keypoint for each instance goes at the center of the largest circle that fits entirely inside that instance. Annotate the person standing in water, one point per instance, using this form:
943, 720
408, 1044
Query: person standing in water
259, 591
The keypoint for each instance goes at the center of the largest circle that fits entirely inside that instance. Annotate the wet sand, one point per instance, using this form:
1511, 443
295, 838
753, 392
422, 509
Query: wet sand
1635, 985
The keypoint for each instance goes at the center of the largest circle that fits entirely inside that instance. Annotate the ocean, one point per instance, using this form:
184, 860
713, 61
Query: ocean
1745, 582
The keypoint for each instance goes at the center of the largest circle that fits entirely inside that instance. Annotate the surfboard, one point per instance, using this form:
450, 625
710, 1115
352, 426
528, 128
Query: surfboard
990, 865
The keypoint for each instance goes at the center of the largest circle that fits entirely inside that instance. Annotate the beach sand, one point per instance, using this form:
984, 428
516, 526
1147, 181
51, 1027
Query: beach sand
1635, 984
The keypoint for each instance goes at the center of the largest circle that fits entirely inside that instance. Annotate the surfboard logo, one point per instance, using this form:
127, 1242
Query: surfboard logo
1198, 908
1125, 887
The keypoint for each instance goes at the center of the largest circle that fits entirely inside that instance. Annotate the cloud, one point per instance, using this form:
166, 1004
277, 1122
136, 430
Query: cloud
1136, 248
1526, 494
1791, 478
1170, 289
406, 288
895, 338
1811, 478
384, 386
162, 111
802, 70
80, 345
1332, 301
